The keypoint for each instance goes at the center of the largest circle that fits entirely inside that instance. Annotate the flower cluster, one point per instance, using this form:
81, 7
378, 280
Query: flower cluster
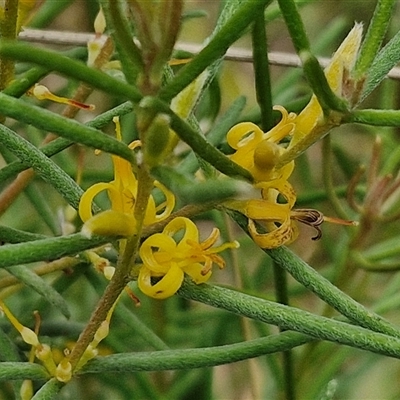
163, 258
271, 217
261, 154
60, 369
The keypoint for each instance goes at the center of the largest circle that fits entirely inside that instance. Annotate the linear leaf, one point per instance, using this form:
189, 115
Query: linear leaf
69, 128
69, 67
386, 59
21, 370
30, 279
48, 249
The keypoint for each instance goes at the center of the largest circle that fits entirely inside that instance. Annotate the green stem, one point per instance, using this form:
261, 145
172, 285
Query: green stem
312, 70
295, 25
335, 119
262, 72
126, 315
374, 37
124, 265
110, 296
129, 54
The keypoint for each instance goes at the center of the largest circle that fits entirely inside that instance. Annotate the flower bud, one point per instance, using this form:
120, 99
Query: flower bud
156, 140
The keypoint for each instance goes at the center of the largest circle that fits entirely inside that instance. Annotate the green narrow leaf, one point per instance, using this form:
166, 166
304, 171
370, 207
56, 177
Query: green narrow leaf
209, 191
386, 59
375, 117
374, 37
194, 358
49, 390
324, 289
43, 208
197, 142
262, 72
69, 128
47, 12
48, 249
61, 143
8, 350
312, 69
9, 353
46, 168
294, 319
30, 279
22, 370
129, 54
11, 235
225, 35
68, 67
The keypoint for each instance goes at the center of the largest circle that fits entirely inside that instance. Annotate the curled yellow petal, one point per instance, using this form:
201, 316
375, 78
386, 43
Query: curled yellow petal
110, 223
271, 190
167, 206
284, 234
85, 203
157, 251
167, 286
196, 272
259, 152
190, 232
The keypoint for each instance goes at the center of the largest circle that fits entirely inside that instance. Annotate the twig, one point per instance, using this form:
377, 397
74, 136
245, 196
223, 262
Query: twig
234, 54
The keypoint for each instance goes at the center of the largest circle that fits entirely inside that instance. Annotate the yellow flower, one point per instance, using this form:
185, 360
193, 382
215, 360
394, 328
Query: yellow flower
257, 151
41, 351
338, 76
274, 217
164, 257
122, 192
277, 219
